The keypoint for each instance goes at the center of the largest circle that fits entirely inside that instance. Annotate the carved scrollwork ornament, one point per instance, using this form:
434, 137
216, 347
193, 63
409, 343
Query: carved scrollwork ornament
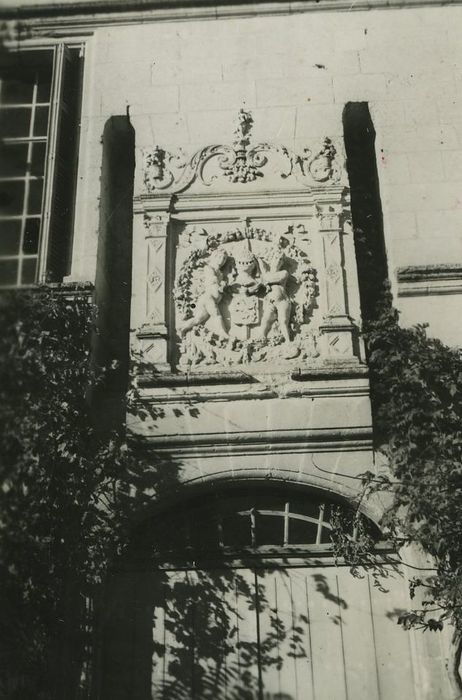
323, 166
239, 162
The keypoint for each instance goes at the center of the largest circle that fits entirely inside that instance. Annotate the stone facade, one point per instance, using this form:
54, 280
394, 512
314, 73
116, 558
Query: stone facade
245, 320
295, 73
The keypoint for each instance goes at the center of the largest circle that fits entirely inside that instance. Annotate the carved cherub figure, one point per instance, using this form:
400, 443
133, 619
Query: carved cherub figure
277, 301
207, 306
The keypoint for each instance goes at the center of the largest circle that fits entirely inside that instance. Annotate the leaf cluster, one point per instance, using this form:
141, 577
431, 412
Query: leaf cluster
416, 392
62, 509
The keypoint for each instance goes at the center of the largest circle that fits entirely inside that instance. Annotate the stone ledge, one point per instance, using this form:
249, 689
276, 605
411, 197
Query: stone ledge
37, 8
80, 17
262, 442
423, 280
69, 289
329, 371
193, 379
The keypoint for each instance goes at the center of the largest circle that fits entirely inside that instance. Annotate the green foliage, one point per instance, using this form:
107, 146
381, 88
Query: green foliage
69, 492
416, 391
62, 495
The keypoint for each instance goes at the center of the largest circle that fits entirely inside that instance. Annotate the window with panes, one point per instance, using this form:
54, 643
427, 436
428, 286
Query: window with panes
238, 520
39, 120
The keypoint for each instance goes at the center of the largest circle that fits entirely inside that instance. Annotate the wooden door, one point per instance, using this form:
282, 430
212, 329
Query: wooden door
292, 632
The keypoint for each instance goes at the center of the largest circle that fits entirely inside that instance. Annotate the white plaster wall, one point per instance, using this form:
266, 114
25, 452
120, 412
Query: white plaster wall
183, 82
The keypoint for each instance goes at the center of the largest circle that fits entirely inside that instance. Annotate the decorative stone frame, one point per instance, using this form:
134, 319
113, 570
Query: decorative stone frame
242, 187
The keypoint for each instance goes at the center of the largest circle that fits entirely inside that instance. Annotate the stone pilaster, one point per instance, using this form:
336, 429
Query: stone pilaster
337, 327
149, 277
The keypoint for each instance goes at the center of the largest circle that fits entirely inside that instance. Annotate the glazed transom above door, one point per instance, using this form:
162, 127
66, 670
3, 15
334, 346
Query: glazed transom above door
244, 259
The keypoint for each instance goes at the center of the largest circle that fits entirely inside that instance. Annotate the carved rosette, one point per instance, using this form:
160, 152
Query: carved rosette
245, 296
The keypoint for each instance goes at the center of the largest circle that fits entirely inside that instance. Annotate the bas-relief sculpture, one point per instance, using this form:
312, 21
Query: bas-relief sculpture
245, 295
239, 163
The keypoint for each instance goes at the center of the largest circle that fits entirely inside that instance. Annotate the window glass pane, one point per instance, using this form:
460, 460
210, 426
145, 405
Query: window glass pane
41, 121
44, 74
13, 159
15, 122
43, 91
21, 71
34, 205
12, 197
8, 272
29, 266
305, 506
325, 535
38, 158
301, 532
270, 530
31, 236
269, 502
203, 533
17, 91
10, 237
236, 531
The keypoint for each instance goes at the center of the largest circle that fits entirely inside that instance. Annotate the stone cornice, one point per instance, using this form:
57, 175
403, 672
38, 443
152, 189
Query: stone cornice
423, 280
275, 441
61, 17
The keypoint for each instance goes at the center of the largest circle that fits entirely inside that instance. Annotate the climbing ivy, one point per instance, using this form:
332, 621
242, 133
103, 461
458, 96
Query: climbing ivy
416, 392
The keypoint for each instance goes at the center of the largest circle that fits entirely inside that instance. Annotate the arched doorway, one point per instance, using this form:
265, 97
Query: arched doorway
237, 596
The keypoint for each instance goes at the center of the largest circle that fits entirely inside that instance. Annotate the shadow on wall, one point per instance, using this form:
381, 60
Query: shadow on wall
207, 634
114, 264
185, 619
366, 205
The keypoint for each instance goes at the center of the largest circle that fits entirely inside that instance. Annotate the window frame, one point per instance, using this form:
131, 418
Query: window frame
59, 49
194, 514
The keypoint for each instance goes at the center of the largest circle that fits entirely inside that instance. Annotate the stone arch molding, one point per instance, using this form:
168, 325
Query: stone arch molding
242, 256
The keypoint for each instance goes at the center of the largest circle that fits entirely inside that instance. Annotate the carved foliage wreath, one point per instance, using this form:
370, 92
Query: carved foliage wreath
197, 258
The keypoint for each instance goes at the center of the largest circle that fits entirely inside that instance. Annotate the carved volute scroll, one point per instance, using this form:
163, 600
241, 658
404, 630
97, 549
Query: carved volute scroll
240, 163
244, 261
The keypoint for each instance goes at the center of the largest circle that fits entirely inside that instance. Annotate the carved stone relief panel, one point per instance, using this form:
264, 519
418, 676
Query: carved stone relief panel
243, 295
244, 260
